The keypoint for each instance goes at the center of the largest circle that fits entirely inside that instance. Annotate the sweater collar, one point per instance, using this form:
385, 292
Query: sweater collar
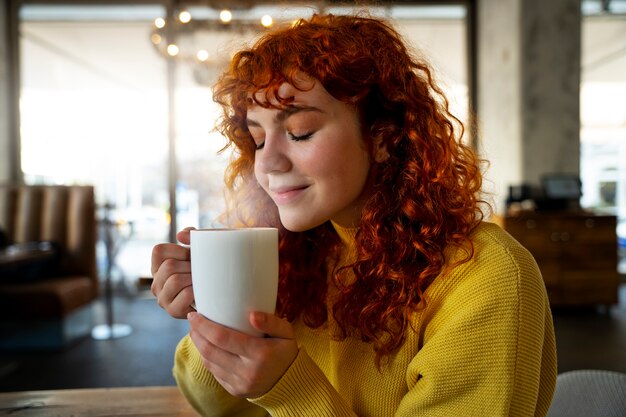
346, 234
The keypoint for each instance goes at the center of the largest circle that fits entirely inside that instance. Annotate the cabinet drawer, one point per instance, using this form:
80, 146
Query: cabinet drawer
585, 298
537, 241
587, 279
588, 296
587, 229
576, 254
600, 255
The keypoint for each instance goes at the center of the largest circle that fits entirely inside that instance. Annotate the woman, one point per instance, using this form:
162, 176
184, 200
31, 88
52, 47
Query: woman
395, 298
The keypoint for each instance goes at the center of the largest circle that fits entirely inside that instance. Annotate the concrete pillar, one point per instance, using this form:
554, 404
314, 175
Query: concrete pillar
528, 90
5, 114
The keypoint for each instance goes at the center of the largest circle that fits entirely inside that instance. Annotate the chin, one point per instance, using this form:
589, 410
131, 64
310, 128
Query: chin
299, 224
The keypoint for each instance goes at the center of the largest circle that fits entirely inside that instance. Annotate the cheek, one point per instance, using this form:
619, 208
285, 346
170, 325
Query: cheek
260, 177
359, 174
354, 164
347, 173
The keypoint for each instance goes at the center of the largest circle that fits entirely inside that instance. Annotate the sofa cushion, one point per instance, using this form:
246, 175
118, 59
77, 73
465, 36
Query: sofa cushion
29, 261
61, 214
53, 297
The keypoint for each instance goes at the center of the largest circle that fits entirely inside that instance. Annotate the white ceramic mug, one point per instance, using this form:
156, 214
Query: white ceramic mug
234, 272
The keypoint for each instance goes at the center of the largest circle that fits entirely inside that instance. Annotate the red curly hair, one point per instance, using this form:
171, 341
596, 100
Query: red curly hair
426, 195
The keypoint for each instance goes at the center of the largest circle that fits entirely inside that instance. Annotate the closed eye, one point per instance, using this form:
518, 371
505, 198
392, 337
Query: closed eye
298, 138
295, 138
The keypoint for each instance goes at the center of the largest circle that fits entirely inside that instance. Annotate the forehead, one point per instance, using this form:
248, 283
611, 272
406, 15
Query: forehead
306, 89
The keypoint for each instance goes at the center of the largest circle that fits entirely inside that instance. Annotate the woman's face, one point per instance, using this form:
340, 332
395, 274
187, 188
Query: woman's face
311, 158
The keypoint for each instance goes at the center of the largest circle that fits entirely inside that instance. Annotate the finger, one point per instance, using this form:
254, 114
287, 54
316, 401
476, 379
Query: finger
180, 305
164, 251
174, 284
183, 236
203, 332
249, 374
271, 325
222, 337
169, 267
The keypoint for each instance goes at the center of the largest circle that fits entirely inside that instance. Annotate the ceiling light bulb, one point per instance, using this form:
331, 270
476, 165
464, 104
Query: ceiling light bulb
267, 20
226, 16
172, 49
159, 22
202, 55
184, 16
156, 38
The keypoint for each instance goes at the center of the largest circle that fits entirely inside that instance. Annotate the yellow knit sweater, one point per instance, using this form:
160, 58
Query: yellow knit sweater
484, 346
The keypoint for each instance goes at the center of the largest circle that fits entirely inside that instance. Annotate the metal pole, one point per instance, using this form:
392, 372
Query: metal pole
171, 131
110, 330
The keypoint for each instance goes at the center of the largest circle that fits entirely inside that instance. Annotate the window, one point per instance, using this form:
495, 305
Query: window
603, 115
95, 108
93, 105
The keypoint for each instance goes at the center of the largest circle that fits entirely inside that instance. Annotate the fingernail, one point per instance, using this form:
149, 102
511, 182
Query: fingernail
259, 317
191, 316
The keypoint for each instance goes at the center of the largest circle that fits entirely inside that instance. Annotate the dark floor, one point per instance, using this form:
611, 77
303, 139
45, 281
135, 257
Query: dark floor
587, 339
145, 357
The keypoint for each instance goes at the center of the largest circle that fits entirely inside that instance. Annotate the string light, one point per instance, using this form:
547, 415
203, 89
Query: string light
267, 21
184, 16
173, 36
226, 16
172, 49
202, 55
159, 22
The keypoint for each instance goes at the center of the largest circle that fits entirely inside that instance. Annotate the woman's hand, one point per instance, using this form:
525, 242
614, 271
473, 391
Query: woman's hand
246, 366
171, 272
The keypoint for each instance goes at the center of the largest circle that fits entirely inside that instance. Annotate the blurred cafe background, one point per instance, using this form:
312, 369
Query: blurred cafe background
107, 148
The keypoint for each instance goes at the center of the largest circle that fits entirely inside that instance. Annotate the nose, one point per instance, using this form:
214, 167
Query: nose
274, 156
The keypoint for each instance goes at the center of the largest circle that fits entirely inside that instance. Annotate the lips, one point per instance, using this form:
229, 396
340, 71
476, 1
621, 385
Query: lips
287, 194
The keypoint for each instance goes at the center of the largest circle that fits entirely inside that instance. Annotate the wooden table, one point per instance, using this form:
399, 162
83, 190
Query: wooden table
97, 402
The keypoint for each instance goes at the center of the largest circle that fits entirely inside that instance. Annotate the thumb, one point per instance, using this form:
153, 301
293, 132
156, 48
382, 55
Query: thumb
183, 236
271, 325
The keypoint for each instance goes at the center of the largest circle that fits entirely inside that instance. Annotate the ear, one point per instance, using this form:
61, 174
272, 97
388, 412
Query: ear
381, 154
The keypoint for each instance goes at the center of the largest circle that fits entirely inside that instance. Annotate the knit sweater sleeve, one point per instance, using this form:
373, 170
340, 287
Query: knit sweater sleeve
304, 391
202, 391
488, 348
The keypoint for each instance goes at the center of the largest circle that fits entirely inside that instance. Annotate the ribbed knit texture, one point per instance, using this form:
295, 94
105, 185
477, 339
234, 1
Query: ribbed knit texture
484, 346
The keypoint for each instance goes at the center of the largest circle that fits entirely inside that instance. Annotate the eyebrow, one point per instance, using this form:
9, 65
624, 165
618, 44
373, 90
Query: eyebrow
286, 113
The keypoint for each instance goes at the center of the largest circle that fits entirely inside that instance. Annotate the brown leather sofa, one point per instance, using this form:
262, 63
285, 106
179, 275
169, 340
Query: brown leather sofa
49, 305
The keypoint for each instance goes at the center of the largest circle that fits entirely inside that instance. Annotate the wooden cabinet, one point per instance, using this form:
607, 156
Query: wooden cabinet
576, 253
